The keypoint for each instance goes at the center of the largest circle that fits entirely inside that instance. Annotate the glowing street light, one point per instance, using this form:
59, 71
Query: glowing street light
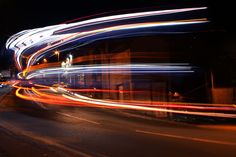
45, 60
56, 52
58, 55
58, 58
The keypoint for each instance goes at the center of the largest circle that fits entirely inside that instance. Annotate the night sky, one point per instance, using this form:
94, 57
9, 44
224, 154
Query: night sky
17, 15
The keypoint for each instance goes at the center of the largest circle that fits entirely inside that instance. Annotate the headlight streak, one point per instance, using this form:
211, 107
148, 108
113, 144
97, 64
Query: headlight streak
83, 35
67, 33
125, 16
60, 96
37, 43
115, 69
144, 108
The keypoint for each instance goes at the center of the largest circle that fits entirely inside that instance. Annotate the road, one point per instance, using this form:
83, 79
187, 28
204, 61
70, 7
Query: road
30, 129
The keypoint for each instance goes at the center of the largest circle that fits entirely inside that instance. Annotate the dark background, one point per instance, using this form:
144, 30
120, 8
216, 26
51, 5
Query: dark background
17, 15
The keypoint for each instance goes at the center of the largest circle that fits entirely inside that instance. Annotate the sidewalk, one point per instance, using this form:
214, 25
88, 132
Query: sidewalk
226, 127
220, 127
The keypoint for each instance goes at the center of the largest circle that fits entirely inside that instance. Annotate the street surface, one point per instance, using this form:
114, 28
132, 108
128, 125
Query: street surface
31, 129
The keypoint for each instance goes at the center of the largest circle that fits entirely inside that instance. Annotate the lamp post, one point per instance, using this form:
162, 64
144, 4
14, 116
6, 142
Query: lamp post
58, 57
70, 63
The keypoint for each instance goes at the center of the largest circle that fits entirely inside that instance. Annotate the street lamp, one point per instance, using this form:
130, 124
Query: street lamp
58, 57
58, 54
45, 60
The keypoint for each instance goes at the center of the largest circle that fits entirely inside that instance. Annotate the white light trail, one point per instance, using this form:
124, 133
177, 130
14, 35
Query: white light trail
24, 41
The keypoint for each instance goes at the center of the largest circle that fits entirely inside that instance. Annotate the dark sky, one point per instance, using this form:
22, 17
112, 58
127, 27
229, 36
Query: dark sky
23, 14
17, 15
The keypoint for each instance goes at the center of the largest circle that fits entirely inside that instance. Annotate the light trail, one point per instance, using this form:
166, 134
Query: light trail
62, 96
31, 46
115, 69
87, 58
144, 108
45, 40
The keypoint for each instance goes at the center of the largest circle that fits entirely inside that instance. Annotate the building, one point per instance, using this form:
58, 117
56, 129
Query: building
213, 79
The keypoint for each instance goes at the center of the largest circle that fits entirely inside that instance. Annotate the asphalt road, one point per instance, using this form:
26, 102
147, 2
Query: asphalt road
30, 129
